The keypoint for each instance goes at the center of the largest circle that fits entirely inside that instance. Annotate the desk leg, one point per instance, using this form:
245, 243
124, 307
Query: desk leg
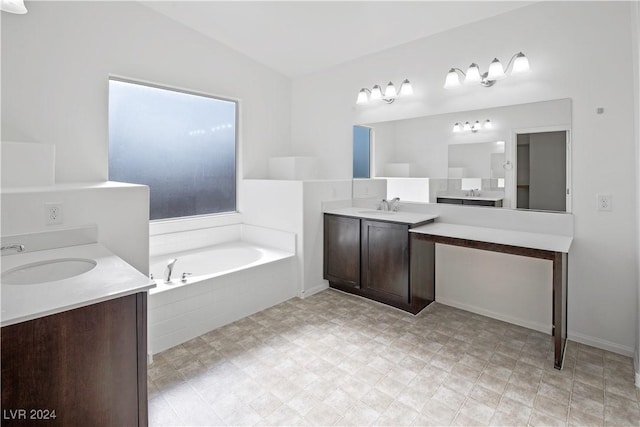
559, 307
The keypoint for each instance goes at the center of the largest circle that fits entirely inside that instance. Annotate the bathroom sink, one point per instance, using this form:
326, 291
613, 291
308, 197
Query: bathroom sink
376, 212
47, 271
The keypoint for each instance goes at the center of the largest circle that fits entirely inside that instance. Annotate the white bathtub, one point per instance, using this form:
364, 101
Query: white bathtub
228, 281
209, 262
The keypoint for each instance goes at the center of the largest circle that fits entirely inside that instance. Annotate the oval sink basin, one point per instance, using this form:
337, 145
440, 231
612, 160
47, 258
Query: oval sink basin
47, 271
373, 212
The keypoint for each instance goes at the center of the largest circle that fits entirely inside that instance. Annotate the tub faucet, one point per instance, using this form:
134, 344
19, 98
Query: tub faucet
169, 270
16, 247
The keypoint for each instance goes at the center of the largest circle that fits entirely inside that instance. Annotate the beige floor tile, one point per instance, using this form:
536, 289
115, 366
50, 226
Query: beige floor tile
322, 415
337, 359
540, 419
485, 396
503, 419
582, 419
477, 411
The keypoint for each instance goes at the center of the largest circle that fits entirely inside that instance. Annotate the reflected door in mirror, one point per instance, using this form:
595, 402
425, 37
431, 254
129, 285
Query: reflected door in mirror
541, 171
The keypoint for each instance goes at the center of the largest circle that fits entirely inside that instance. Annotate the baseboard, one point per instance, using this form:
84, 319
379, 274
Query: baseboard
600, 343
314, 290
571, 336
540, 327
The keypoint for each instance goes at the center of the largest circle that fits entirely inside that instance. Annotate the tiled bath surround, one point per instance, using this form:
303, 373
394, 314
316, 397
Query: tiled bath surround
336, 359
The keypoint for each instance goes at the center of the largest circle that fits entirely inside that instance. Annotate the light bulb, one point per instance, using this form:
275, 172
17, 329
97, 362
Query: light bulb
477, 126
376, 93
362, 97
13, 6
496, 71
488, 124
390, 91
457, 128
520, 64
406, 89
452, 80
467, 126
473, 74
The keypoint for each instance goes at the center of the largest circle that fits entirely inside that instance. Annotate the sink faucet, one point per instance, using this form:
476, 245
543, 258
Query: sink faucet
384, 205
169, 270
394, 204
17, 247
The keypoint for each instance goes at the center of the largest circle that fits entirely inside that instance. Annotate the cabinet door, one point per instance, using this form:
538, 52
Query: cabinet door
82, 364
385, 260
342, 251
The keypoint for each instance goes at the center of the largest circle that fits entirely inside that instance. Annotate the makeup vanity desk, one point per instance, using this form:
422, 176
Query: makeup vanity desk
536, 245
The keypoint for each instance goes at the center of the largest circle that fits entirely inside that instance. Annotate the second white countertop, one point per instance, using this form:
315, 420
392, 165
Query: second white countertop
547, 242
410, 218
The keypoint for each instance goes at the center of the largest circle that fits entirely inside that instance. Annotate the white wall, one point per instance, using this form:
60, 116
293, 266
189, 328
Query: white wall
636, 82
57, 58
121, 212
295, 206
568, 60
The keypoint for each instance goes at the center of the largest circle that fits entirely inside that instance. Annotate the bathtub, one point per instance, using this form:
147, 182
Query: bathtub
229, 280
209, 262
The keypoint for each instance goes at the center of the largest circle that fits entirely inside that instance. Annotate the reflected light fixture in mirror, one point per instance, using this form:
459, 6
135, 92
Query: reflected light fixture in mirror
390, 93
519, 64
13, 6
473, 128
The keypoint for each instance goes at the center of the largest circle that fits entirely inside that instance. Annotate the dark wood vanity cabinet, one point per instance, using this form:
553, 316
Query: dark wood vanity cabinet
373, 259
469, 202
85, 366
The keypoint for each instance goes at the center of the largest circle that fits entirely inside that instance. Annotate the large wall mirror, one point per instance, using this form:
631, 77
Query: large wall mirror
517, 154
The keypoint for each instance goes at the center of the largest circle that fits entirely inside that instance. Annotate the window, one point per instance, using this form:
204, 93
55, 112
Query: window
182, 145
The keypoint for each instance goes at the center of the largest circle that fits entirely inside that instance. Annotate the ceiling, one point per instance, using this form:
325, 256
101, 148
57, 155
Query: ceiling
297, 38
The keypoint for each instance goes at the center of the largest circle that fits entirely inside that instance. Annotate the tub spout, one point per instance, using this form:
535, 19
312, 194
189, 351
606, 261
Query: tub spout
169, 270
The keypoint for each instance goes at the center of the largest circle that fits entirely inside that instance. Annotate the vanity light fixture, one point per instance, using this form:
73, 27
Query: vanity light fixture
466, 127
519, 65
390, 93
13, 6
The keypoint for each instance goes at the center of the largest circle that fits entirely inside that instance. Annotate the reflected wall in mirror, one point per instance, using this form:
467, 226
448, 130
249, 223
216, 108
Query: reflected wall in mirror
421, 147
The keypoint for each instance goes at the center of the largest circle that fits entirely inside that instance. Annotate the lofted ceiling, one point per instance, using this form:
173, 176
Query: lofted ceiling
297, 38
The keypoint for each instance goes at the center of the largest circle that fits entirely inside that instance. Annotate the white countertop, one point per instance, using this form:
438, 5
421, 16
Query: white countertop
547, 242
400, 216
110, 278
491, 199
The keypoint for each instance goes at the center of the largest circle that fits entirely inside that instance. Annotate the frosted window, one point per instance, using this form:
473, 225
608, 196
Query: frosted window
182, 145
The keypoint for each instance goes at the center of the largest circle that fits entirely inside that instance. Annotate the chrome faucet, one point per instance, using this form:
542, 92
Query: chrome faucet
394, 204
384, 205
169, 270
17, 247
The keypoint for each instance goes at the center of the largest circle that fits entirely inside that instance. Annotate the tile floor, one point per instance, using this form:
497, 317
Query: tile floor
337, 359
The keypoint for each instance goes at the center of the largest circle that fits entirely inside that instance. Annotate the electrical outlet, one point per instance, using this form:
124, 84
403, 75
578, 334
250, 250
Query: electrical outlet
604, 202
53, 213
